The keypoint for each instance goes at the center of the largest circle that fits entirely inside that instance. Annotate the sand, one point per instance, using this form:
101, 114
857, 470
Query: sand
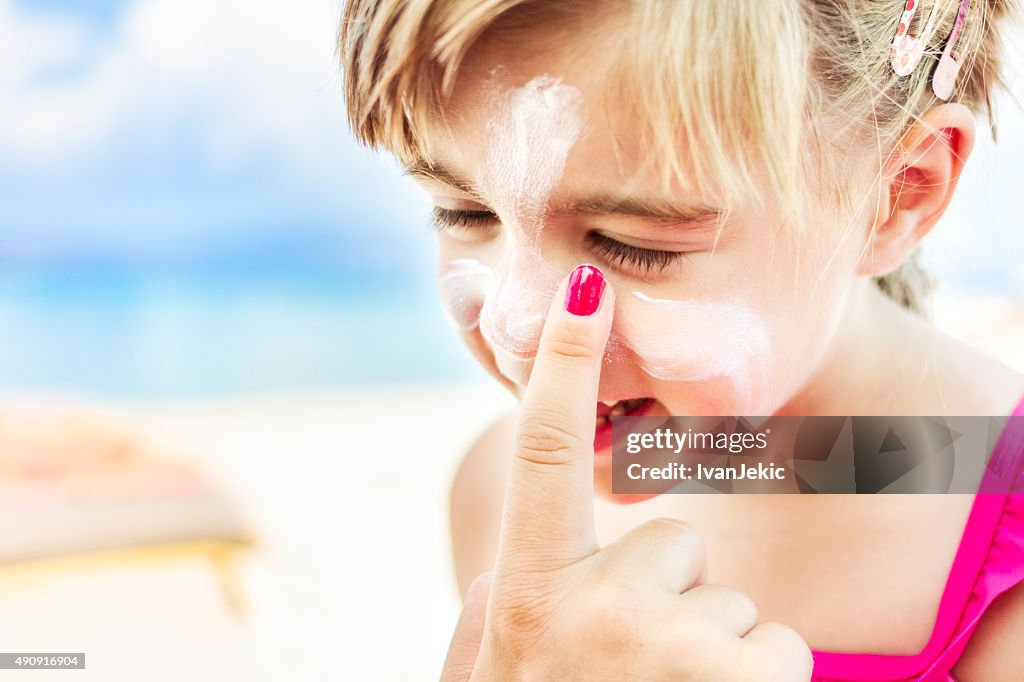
352, 581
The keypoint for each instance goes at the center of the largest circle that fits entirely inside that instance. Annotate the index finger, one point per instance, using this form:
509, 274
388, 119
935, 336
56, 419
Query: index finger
548, 518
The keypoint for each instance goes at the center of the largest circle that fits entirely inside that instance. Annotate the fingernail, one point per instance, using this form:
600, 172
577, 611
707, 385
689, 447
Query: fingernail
583, 295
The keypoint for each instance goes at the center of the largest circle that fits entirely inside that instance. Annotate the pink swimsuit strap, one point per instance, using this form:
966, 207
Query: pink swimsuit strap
988, 562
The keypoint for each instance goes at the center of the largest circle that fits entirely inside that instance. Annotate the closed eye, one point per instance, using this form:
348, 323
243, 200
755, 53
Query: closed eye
446, 218
646, 261
615, 253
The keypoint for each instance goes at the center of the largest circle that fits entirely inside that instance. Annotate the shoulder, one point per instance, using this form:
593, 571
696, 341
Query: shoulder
995, 653
476, 501
966, 381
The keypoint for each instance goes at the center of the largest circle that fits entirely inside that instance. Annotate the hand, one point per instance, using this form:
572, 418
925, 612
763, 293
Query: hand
557, 606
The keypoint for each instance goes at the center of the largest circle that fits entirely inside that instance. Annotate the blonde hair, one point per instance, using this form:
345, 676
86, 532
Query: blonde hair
795, 82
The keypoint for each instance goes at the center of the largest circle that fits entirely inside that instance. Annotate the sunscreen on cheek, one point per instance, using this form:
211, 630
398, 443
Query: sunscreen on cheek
697, 341
508, 308
463, 285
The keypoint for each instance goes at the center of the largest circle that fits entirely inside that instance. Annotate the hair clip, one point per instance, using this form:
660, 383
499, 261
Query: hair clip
949, 64
907, 50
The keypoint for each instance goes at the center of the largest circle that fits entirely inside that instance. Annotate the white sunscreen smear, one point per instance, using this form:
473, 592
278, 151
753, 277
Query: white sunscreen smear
697, 341
674, 340
530, 135
514, 313
464, 284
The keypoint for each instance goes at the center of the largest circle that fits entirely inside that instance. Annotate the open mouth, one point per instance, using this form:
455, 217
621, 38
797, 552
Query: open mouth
609, 412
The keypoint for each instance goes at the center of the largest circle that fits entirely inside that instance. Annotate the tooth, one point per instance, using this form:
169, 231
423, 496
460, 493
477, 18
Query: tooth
618, 411
609, 403
601, 421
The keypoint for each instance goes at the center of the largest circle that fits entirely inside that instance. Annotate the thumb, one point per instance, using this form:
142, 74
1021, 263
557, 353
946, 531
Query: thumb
458, 665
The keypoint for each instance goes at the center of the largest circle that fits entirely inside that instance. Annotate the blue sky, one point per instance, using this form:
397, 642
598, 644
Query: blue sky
101, 12
166, 131
183, 211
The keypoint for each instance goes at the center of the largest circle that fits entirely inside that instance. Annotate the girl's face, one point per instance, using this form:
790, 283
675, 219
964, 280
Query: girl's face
538, 169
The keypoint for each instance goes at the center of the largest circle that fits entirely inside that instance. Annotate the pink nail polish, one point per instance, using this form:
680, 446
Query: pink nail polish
583, 295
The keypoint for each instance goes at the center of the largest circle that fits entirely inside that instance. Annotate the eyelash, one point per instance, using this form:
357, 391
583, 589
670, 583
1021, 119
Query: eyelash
442, 219
647, 261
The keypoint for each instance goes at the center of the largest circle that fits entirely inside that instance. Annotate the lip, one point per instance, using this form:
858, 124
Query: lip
603, 434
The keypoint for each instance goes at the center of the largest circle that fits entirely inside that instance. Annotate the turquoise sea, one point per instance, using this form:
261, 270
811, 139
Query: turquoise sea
152, 333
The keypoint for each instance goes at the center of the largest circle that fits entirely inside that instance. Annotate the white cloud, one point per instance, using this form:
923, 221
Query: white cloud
239, 80
30, 47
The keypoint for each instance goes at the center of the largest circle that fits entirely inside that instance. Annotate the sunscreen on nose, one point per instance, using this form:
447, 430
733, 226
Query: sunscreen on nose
513, 315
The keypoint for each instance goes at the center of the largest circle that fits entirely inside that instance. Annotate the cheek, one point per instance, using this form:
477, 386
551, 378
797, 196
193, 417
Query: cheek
804, 309
507, 306
463, 284
723, 344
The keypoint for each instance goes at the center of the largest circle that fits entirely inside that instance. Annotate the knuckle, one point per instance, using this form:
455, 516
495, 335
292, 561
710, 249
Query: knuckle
671, 531
543, 439
608, 617
682, 626
669, 541
570, 344
685, 626
782, 636
595, 616
745, 667
530, 554
732, 599
479, 588
517, 621
781, 650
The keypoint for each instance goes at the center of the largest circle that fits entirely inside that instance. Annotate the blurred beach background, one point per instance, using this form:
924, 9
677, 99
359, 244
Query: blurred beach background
190, 238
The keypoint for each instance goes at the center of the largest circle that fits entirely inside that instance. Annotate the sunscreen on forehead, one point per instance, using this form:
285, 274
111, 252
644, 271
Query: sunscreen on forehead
530, 135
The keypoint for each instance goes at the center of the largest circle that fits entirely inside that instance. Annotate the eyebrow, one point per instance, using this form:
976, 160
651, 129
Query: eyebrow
654, 209
429, 171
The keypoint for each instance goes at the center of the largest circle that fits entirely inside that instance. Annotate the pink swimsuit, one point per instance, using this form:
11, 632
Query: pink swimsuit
989, 561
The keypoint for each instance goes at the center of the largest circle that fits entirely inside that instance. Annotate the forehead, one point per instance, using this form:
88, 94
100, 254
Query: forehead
517, 86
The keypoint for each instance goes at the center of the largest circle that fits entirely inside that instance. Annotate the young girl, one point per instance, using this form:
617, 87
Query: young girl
750, 181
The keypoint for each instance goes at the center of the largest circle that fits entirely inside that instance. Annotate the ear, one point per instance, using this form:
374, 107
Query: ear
917, 184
